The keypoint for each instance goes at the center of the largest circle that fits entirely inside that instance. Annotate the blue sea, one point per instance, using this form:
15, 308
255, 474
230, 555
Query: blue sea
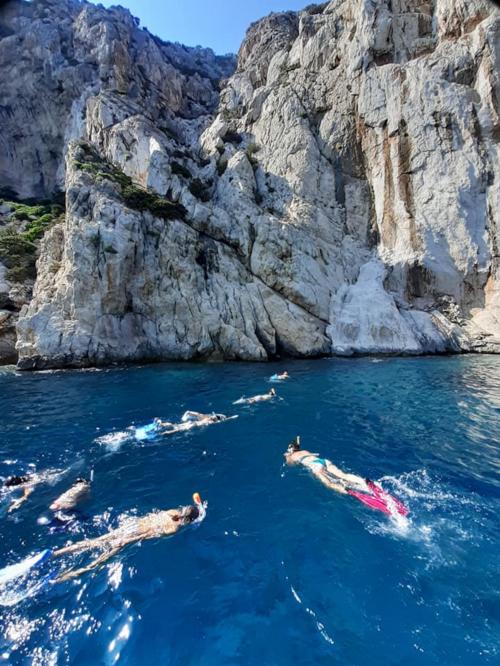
282, 570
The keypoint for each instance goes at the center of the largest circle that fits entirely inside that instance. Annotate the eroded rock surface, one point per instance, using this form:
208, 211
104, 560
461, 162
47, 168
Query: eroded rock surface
340, 194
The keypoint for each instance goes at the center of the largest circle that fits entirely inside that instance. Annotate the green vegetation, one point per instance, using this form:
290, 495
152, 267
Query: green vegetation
24, 224
135, 197
18, 255
38, 227
142, 200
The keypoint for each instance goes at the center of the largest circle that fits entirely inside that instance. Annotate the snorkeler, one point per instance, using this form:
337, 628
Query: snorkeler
132, 530
27, 483
157, 427
191, 420
256, 398
366, 491
75, 495
278, 377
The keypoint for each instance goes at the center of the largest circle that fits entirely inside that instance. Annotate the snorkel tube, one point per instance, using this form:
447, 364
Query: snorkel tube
201, 506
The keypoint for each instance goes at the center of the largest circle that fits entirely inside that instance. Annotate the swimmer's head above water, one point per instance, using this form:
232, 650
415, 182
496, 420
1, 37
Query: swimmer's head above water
191, 513
292, 448
272, 391
187, 514
14, 481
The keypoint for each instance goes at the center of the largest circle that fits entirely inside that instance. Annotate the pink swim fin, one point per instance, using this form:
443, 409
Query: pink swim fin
380, 500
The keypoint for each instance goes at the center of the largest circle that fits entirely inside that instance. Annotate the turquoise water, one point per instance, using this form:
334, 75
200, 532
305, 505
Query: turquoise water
282, 571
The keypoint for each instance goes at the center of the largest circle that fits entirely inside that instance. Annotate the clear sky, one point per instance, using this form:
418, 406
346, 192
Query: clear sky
219, 24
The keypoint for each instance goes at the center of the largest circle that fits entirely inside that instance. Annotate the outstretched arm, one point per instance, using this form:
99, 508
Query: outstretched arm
18, 502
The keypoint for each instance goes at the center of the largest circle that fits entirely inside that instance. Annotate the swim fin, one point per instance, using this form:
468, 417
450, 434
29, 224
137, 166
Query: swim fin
13, 571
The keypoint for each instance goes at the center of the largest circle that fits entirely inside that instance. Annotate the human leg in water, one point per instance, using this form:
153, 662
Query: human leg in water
75, 573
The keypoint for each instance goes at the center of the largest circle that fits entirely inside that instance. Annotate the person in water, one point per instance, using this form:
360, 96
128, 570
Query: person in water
283, 375
257, 398
27, 483
132, 530
72, 497
191, 420
366, 491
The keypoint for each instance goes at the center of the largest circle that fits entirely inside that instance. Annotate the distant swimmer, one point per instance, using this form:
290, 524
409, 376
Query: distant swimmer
72, 497
133, 530
366, 491
257, 398
279, 377
27, 484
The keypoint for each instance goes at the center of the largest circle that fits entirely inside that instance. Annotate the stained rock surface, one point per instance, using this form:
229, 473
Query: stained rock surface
335, 190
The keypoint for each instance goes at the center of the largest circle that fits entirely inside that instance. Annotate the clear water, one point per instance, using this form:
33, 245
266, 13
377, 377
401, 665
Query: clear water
282, 571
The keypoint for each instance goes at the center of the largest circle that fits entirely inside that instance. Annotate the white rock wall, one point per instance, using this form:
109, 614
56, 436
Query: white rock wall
350, 194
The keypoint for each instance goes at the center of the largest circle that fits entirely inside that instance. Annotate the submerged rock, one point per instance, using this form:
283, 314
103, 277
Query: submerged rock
338, 193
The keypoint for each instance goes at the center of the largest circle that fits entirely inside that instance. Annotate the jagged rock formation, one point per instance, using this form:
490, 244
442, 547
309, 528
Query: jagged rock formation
340, 196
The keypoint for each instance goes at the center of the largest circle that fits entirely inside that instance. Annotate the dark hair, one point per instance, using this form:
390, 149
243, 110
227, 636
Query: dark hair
16, 481
190, 514
294, 445
82, 480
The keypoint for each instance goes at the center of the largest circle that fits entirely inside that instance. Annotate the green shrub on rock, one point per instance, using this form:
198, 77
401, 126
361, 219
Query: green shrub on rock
133, 195
38, 227
24, 224
142, 200
18, 255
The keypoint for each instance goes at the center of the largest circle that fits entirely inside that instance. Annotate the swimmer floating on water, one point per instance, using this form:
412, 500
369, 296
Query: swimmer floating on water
132, 530
75, 495
189, 421
27, 483
366, 491
158, 427
280, 377
257, 398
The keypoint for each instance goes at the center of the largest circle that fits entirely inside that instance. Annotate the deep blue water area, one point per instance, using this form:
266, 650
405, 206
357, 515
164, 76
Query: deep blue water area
282, 570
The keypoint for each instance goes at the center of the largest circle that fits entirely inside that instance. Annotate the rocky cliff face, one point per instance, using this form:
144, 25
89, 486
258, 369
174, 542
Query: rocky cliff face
340, 194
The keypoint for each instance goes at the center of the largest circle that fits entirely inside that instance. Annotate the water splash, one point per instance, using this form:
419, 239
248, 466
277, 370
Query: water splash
113, 441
